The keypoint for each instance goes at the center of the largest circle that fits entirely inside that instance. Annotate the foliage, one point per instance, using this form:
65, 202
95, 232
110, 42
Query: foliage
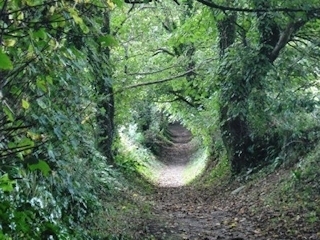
47, 113
235, 80
298, 194
133, 156
196, 166
251, 95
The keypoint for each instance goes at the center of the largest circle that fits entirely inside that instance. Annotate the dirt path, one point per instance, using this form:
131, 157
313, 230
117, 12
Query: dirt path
185, 215
183, 211
175, 156
227, 211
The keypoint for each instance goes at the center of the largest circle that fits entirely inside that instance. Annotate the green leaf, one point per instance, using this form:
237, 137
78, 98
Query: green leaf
33, 3
41, 103
85, 29
25, 143
24, 146
108, 41
42, 166
41, 34
51, 152
75, 16
49, 80
9, 113
57, 20
9, 42
25, 104
119, 3
5, 183
5, 62
41, 84
57, 131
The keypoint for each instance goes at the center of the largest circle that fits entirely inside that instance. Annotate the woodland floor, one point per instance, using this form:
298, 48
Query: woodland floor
232, 211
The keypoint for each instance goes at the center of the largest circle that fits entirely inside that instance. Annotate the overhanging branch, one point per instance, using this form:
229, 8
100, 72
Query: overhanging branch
143, 84
151, 73
285, 37
155, 82
163, 50
181, 98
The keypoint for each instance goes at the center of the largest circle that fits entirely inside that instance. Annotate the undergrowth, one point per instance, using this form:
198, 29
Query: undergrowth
299, 192
134, 157
124, 207
196, 165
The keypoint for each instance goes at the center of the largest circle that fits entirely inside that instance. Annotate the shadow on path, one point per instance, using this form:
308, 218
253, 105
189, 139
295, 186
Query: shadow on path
175, 155
182, 212
180, 148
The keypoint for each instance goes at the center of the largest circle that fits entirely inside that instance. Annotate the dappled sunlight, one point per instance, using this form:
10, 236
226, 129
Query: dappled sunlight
178, 163
172, 175
184, 158
137, 155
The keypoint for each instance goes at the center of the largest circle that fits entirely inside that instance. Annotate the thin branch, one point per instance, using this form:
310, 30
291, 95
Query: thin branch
137, 1
14, 128
181, 98
150, 73
5, 152
118, 28
154, 82
163, 50
163, 80
307, 85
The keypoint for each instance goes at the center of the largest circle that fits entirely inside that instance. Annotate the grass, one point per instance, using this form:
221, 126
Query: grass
125, 205
196, 166
302, 191
135, 157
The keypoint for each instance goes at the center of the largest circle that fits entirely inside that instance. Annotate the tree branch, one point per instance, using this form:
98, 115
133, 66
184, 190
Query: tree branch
150, 73
137, 1
161, 50
181, 98
154, 82
285, 37
163, 80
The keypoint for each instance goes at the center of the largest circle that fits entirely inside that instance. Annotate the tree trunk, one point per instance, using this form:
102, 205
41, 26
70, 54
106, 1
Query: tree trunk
105, 114
244, 148
234, 127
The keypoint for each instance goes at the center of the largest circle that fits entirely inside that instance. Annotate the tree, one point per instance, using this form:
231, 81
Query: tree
104, 88
244, 71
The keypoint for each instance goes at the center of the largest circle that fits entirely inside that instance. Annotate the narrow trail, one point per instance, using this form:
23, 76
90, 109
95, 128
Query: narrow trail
181, 212
226, 211
175, 156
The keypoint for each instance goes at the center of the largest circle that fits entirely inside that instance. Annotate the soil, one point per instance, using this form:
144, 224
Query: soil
232, 211
175, 155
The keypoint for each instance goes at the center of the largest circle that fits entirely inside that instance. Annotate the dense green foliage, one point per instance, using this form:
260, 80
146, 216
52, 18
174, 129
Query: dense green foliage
50, 65
241, 75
